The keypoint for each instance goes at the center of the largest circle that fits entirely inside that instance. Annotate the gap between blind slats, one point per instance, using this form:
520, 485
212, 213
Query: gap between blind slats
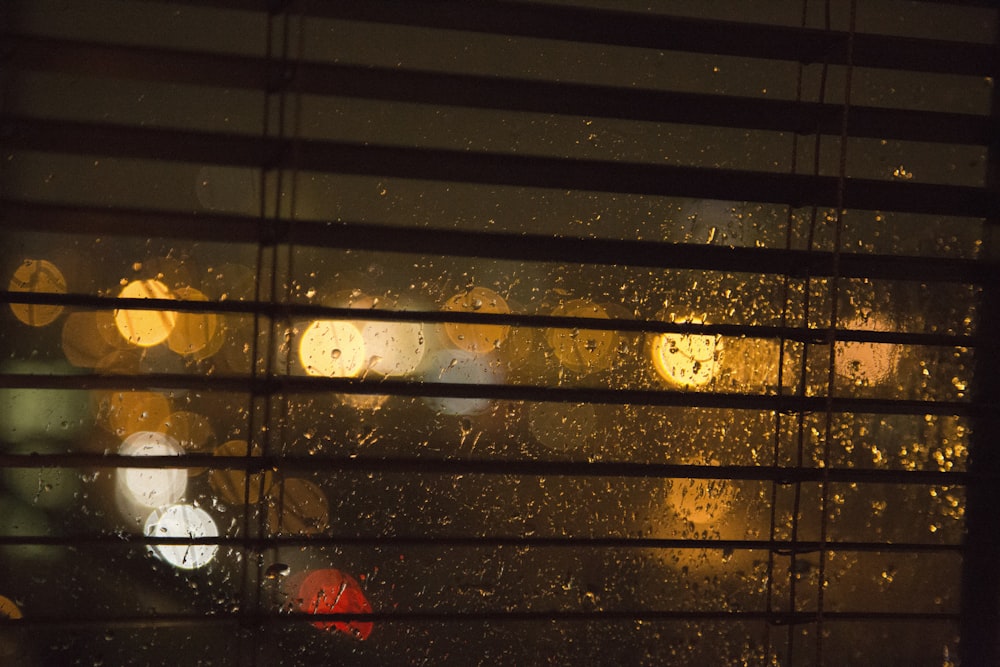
273, 385
654, 31
291, 310
123, 141
782, 547
243, 619
494, 92
492, 467
145, 223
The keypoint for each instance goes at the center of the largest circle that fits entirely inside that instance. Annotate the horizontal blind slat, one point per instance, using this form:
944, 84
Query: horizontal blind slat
497, 93
269, 386
656, 31
21, 215
104, 139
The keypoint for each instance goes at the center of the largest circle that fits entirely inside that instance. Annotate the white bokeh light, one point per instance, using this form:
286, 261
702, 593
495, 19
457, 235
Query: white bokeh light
183, 521
461, 367
394, 348
149, 488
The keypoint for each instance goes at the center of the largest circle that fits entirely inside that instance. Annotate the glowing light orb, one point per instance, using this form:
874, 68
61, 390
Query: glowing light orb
582, 350
151, 487
394, 348
476, 338
182, 521
686, 360
145, 328
865, 363
82, 343
231, 484
460, 367
37, 276
125, 412
194, 333
331, 591
331, 348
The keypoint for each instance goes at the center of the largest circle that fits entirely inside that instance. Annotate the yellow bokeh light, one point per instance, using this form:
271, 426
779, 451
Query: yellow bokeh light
582, 350
82, 342
37, 276
686, 360
865, 363
145, 328
124, 412
194, 334
394, 348
477, 338
331, 348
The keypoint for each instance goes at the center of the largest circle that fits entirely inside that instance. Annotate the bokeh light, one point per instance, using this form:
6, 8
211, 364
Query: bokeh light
140, 490
865, 363
394, 348
182, 521
145, 328
37, 276
686, 360
476, 338
461, 367
582, 350
194, 334
330, 591
331, 348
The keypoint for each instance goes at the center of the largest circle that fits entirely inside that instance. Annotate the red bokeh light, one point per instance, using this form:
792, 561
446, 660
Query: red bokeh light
331, 591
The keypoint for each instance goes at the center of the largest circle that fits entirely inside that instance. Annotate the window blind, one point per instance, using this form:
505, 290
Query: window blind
439, 332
